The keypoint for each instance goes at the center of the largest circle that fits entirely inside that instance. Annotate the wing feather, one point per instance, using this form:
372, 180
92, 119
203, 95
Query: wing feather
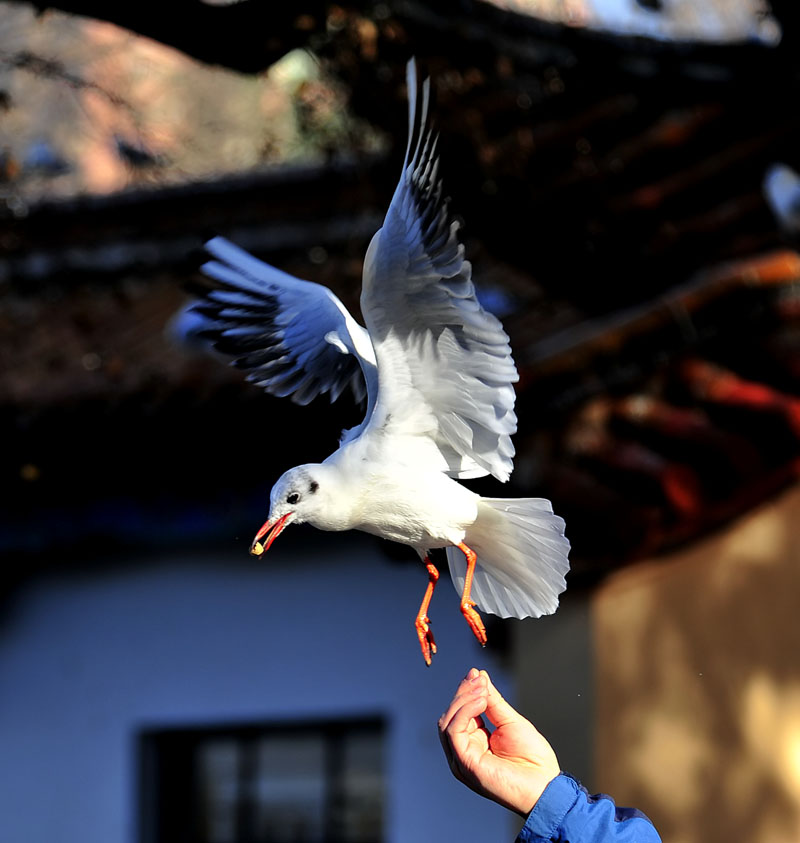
295, 338
444, 363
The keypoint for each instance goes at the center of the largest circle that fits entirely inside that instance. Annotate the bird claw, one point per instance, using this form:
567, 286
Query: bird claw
474, 620
426, 641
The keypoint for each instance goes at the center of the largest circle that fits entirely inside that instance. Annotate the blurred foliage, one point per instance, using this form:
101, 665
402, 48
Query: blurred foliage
91, 108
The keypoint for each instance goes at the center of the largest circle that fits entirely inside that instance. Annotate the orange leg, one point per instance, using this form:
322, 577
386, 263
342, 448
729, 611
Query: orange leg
467, 603
422, 622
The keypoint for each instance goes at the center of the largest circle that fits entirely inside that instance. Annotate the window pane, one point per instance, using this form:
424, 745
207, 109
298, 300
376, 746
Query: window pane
289, 789
219, 793
362, 787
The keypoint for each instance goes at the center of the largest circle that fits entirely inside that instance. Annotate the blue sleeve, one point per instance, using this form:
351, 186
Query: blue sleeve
565, 811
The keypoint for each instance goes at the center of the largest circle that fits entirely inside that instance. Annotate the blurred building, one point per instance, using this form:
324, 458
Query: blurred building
201, 696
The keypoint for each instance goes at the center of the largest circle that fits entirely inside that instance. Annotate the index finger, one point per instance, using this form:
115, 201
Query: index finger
469, 685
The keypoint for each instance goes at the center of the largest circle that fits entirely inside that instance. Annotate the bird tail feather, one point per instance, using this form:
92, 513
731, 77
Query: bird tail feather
522, 557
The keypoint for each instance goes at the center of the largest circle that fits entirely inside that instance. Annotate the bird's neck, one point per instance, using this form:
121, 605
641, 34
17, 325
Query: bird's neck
347, 474
337, 509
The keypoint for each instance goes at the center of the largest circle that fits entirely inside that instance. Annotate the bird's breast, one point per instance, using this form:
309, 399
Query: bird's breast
418, 509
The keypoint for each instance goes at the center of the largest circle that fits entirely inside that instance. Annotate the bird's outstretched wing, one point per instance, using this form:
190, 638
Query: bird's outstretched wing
444, 363
295, 338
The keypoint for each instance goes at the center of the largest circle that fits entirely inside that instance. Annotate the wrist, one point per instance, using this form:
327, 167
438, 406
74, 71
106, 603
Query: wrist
528, 801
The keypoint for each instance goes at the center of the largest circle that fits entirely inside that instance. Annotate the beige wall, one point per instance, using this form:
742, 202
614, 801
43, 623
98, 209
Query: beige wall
552, 666
697, 683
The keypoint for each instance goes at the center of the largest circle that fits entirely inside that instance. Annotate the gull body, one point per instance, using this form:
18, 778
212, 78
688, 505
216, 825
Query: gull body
437, 373
396, 501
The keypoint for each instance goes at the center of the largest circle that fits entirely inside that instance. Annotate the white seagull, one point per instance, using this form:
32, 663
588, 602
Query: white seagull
440, 402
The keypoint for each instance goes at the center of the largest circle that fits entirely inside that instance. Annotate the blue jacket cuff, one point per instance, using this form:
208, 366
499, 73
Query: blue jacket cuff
548, 813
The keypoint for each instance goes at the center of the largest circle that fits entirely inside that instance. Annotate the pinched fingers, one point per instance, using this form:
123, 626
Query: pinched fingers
463, 715
498, 710
461, 728
472, 685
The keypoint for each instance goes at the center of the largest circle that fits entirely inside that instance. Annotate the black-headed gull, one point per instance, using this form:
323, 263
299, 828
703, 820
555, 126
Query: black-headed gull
440, 403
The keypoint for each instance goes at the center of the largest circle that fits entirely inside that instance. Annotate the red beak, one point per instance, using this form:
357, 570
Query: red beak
272, 529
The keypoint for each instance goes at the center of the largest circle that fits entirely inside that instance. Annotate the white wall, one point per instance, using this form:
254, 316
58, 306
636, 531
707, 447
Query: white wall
86, 660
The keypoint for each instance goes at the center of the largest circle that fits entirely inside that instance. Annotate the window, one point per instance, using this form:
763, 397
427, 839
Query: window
283, 783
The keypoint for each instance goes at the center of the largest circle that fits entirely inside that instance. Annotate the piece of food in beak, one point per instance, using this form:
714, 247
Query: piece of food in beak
270, 529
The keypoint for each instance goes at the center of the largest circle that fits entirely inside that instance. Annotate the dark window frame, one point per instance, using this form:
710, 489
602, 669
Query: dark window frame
168, 779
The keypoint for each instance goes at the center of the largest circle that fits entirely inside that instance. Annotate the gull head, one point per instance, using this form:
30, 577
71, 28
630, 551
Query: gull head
297, 497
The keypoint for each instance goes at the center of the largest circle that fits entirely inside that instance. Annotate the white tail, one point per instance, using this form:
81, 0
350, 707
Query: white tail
522, 557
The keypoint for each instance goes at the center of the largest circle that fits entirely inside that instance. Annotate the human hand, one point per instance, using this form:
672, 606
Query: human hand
511, 765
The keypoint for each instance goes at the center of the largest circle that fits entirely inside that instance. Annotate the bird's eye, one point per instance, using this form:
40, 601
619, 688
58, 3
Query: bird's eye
292, 498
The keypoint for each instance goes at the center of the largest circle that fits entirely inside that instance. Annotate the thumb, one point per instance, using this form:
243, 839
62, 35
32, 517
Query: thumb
497, 709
